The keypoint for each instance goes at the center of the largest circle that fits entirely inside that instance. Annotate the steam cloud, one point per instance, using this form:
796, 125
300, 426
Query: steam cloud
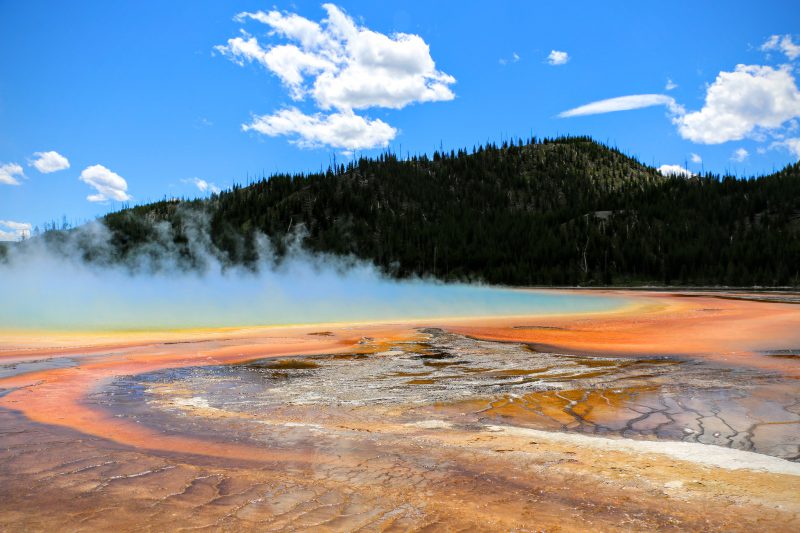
74, 283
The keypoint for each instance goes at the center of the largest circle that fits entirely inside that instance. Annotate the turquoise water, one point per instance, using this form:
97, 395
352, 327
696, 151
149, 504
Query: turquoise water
69, 296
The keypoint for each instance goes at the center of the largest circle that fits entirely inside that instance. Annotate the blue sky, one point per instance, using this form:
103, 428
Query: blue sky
148, 99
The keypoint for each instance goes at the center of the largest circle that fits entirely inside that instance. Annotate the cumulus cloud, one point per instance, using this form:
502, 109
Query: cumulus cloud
752, 101
782, 43
695, 158
623, 103
557, 57
740, 155
47, 162
203, 185
740, 103
14, 231
287, 62
10, 172
340, 130
341, 67
109, 185
675, 170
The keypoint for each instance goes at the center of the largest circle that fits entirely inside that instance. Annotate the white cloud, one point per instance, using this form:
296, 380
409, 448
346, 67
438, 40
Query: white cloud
342, 67
695, 158
557, 57
292, 26
514, 59
670, 85
287, 62
203, 185
47, 162
10, 172
740, 155
13, 231
784, 44
742, 102
675, 170
623, 103
753, 101
793, 145
340, 130
109, 185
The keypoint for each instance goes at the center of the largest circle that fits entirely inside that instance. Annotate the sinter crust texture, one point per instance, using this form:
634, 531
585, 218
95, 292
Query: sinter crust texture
674, 413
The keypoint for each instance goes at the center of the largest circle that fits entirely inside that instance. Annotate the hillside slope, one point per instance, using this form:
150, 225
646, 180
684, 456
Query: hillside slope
566, 211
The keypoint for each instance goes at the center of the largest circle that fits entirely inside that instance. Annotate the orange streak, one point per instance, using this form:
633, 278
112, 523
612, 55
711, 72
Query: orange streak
706, 327
730, 331
56, 396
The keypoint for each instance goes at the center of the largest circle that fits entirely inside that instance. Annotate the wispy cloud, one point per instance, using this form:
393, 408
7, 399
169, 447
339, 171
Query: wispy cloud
740, 155
670, 85
792, 144
10, 173
782, 43
557, 57
623, 103
751, 101
513, 59
14, 231
696, 159
203, 185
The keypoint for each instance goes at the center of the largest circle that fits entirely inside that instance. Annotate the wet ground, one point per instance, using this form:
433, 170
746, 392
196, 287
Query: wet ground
405, 428
459, 381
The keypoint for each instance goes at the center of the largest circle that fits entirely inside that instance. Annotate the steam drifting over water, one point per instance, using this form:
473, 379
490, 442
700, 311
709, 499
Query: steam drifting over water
47, 288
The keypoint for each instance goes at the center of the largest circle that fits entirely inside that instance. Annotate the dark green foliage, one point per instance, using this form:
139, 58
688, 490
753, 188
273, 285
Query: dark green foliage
550, 212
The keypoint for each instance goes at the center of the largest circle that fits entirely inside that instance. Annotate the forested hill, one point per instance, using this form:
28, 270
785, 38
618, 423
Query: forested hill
566, 211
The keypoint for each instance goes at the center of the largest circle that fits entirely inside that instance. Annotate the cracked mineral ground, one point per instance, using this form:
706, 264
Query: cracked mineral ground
496, 425
459, 381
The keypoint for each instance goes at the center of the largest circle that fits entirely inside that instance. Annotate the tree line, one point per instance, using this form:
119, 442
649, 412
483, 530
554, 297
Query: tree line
564, 211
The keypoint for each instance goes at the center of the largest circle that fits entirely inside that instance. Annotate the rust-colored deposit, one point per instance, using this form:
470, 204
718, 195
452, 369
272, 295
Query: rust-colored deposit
679, 412
720, 326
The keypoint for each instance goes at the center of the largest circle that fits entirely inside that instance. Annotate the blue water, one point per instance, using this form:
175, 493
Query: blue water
53, 295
